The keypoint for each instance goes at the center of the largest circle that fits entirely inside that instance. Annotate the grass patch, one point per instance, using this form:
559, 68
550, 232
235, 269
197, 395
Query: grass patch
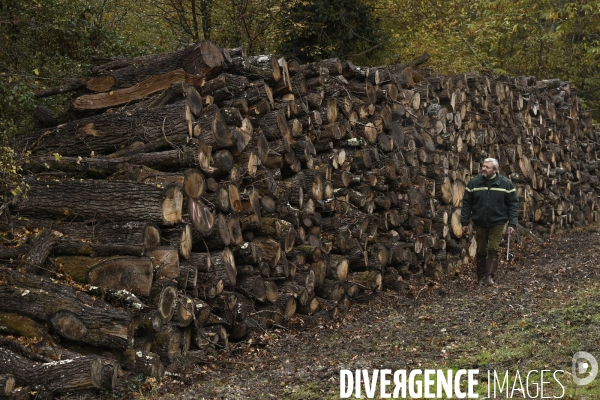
545, 340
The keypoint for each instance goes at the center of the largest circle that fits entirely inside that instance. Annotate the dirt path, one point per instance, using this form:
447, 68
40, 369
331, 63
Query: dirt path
546, 308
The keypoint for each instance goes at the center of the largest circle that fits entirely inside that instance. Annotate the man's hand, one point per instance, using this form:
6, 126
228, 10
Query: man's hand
511, 230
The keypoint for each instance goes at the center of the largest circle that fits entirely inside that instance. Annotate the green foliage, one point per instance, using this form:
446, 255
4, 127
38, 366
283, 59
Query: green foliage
229, 23
546, 39
320, 29
252, 24
16, 103
11, 165
188, 20
42, 42
416, 26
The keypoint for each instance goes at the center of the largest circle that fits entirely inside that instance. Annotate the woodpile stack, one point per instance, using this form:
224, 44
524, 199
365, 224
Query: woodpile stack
205, 194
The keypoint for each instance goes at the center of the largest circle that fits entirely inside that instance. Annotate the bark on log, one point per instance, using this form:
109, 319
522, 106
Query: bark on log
124, 165
153, 84
75, 247
87, 199
18, 325
143, 362
202, 58
73, 315
81, 373
107, 133
70, 85
167, 343
40, 249
179, 237
223, 264
134, 275
253, 287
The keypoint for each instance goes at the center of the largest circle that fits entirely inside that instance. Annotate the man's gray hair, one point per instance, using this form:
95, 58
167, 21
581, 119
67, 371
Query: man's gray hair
494, 163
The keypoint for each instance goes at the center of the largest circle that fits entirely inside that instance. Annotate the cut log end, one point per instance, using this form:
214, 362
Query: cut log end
151, 236
172, 204
193, 184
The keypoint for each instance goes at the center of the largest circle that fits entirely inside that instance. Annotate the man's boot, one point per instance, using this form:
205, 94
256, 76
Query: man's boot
481, 270
491, 266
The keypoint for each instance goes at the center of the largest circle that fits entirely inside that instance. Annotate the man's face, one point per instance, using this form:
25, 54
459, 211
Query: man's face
487, 169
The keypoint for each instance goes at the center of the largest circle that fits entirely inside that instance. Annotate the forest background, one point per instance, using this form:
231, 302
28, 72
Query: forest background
44, 42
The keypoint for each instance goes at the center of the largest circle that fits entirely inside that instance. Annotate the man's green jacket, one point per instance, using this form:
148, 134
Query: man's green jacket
490, 202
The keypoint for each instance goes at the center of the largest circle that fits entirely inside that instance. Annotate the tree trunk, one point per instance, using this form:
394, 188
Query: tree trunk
130, 94
81, 373
68, 311
107, 133
132, 232
202, 58
92, 199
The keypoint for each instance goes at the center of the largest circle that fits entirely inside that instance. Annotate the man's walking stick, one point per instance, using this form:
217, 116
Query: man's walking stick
508, 248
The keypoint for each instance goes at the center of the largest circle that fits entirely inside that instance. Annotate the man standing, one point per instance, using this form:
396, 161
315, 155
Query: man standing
490, 200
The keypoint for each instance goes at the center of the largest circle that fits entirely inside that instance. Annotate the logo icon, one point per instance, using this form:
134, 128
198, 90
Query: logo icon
581, 363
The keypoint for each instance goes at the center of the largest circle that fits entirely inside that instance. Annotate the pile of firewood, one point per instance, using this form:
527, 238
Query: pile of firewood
203, 194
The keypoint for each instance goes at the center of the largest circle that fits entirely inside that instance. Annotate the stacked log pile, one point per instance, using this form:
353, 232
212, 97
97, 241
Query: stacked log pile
205, 194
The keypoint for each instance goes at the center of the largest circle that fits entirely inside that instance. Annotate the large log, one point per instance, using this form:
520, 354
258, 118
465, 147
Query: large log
167, 343
180, 237
74, 315
78, 248
143, 362
118, 168
223, 265
202, 58
165, 260
145, 88
81, 373
211, 129
103, 200
107, 133
94, 231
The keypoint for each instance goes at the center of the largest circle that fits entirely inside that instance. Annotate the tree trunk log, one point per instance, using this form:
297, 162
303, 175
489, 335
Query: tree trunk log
81, 373
74, 315
107, 133
89, 199
202, 58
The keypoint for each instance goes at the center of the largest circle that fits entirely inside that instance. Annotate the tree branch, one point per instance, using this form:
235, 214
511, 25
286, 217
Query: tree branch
475, 53
362, 53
